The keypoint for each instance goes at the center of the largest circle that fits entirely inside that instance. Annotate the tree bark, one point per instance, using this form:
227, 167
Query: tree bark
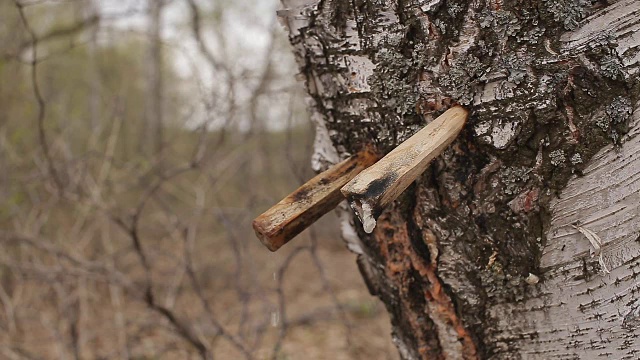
493, 252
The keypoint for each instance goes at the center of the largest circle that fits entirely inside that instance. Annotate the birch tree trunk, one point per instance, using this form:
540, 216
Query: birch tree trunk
494, 252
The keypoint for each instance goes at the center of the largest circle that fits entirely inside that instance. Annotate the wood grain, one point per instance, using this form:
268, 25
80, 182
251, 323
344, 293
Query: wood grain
296, 212
382, 183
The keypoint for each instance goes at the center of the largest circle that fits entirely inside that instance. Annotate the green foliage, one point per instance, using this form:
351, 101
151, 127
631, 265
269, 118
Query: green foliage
365, 309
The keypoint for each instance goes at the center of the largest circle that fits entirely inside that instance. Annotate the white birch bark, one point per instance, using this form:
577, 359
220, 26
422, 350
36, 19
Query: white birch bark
488, 255
577, 311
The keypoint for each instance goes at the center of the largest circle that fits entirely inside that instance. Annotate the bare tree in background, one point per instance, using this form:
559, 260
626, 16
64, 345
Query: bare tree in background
523, 240
109, 252
93, 70
154, 114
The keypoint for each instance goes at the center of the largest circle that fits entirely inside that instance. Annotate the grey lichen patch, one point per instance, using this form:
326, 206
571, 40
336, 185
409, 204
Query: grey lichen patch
620, 110
558, 158
603, 123
455, 9
391, 83
512, 22
576, 159
567, 12
618, 114
514, 178
461, 78
611, 67
458, 84
503, 23
613, 120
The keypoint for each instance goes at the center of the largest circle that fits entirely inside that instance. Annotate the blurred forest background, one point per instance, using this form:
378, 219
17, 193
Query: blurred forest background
138, 139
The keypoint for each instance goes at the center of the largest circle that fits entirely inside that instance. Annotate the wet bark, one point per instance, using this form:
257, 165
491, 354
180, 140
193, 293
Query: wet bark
488, 254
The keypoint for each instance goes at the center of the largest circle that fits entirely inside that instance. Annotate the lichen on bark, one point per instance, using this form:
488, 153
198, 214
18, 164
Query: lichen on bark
543, 102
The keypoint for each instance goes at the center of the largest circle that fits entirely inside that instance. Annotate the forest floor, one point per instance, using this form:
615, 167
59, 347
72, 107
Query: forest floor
360, 330
309, 299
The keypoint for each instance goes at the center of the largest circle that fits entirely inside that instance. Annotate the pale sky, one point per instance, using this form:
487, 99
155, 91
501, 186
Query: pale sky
246, 22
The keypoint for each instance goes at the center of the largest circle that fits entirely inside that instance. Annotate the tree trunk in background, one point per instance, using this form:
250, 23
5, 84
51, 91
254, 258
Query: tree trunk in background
93, 70
553, 140
155, 87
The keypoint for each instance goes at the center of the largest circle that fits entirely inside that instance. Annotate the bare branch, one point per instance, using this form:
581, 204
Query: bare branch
40, 100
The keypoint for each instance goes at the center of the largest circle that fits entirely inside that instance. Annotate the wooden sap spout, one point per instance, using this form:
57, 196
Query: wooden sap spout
303, 207
376, 187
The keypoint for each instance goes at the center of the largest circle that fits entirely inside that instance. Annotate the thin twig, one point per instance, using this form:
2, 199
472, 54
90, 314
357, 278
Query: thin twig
44, 142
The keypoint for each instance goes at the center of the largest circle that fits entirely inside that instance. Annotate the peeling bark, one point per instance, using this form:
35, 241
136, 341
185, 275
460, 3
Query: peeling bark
480, 258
